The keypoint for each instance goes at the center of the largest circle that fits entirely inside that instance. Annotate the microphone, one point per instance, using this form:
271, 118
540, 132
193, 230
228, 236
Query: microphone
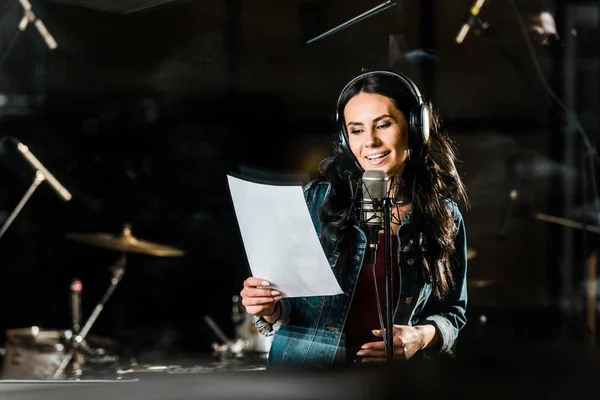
35, 163
31, 17
473, 15
374, 189
76, 288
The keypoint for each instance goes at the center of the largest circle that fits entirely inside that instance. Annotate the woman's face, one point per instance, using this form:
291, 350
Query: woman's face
377, 133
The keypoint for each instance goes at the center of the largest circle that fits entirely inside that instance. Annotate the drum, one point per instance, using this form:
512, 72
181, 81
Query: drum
34, 353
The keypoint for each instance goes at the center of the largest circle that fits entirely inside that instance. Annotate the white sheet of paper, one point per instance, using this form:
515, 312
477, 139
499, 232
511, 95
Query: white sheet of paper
280, 239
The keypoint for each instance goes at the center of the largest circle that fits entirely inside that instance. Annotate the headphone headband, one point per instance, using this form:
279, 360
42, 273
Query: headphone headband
406, 80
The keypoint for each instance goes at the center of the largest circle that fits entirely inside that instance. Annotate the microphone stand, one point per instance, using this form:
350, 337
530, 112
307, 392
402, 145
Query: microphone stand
389, 293
39, 178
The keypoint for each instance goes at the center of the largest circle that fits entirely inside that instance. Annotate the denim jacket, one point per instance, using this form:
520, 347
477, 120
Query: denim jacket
309, 331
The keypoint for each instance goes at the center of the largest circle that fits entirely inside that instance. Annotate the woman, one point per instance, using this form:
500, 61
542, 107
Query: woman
384, 124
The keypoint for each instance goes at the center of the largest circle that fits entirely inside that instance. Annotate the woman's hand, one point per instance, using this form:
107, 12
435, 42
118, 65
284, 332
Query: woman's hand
258, 301
407, 341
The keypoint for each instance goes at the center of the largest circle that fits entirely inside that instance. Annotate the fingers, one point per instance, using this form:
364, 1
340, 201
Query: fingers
374, 345
398, 329
257, 298
251, 292
373, 360
258, 301
376, 352
378, 355
253, 282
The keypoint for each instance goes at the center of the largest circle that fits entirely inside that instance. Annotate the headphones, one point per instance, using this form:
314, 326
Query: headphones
418, 119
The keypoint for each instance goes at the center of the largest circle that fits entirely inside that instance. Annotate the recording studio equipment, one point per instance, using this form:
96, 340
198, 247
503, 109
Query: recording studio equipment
471, 21
365, 15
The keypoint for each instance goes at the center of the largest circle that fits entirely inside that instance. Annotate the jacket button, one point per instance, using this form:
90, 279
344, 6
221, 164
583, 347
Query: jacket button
332, 328
347, 294
410, 261
408, 300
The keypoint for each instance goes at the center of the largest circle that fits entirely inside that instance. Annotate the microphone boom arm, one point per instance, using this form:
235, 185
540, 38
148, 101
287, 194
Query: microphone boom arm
365, 15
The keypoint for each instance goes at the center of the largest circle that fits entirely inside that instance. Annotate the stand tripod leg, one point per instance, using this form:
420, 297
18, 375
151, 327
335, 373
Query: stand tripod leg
39, 178
118, 271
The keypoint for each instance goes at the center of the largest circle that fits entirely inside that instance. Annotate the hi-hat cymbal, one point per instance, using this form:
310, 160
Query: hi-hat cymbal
126, 243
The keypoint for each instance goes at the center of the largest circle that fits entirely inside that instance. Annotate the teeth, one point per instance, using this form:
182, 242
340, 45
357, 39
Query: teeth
377, 156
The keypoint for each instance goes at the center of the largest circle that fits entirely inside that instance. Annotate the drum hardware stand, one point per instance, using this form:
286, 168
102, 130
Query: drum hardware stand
78, 340
39, 178
230, 347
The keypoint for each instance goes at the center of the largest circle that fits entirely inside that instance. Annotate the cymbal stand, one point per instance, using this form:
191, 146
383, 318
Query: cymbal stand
39, 178
118, 270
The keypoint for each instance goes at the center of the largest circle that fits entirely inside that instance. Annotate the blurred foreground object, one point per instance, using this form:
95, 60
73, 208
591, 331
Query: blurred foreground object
544, 27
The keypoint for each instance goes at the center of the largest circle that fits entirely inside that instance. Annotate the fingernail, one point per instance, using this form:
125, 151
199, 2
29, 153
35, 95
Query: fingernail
265, 283
278, 297
361, 353
275, 293
376, 331
364, 347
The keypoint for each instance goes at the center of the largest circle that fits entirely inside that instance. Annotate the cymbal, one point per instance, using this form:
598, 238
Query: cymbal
126, 243
471, 253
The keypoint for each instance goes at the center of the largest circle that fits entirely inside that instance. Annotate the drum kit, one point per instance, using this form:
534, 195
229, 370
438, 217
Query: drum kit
34, 353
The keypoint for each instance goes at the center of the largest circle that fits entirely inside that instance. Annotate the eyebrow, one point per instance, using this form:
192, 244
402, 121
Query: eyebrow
375, 120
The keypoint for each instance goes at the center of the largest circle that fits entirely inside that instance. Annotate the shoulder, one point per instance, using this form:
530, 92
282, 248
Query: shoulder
315, 185
316, 190
454, 209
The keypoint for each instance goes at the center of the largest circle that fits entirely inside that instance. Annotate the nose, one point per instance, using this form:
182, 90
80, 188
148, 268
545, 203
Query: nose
372, 140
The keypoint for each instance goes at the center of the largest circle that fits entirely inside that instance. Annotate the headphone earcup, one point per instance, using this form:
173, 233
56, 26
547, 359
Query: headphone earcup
418, 131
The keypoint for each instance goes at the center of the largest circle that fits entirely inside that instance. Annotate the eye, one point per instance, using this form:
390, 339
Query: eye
383, 125
355, 131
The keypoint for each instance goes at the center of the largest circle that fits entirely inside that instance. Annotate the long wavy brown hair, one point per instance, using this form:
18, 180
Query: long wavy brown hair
433, 176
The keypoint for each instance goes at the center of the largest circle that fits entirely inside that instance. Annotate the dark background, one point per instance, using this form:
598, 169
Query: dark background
142, 114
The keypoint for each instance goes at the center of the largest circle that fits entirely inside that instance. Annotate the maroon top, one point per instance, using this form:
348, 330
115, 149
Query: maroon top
363, 315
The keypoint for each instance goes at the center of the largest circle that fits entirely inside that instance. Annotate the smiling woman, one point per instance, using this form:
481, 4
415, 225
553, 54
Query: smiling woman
378, 133
383, 124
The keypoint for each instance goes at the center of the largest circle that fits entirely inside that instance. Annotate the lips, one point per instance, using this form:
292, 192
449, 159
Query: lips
377, 158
